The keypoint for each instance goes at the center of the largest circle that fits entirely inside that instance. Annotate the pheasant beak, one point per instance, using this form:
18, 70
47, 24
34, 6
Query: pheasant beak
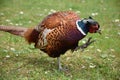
99, 31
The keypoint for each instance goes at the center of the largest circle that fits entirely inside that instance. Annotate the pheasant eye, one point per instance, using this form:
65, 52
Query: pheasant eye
96, 26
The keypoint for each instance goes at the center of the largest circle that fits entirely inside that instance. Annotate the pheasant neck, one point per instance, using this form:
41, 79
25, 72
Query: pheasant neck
81, 26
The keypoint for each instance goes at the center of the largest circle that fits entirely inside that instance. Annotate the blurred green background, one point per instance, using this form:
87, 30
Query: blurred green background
100, 61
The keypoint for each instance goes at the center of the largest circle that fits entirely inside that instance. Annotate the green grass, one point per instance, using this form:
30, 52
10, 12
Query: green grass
100, 61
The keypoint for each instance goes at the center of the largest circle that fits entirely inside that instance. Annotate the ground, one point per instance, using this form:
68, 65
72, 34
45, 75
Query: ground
21, 61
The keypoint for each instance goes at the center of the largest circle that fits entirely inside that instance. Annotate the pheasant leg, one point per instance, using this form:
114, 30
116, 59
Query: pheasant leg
59, 64
85, 45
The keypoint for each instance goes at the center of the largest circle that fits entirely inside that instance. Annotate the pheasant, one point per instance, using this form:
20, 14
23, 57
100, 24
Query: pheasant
57, 33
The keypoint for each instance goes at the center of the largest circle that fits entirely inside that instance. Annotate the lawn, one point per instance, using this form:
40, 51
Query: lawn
21, 61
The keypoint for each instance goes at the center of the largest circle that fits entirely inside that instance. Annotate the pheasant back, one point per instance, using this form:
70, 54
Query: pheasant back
58, 33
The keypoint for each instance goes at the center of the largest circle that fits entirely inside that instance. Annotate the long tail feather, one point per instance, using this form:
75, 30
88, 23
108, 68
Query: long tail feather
19, 31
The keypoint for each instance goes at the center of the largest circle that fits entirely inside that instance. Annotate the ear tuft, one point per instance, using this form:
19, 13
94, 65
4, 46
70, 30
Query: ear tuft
90, 17
88, 22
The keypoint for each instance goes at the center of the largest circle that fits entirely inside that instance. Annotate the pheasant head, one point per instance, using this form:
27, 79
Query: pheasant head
88, 25
93, 25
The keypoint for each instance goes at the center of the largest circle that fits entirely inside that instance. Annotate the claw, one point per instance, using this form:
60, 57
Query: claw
89, 39
85, 45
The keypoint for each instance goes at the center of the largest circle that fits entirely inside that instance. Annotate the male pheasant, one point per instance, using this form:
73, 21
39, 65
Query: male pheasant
57, 33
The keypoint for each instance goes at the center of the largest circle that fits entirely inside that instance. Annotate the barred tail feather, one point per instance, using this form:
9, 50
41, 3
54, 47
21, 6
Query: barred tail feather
19, 31
30, 34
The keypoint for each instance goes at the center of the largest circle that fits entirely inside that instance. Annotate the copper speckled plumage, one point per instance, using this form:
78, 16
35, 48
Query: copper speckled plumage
57, 32
61, 33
